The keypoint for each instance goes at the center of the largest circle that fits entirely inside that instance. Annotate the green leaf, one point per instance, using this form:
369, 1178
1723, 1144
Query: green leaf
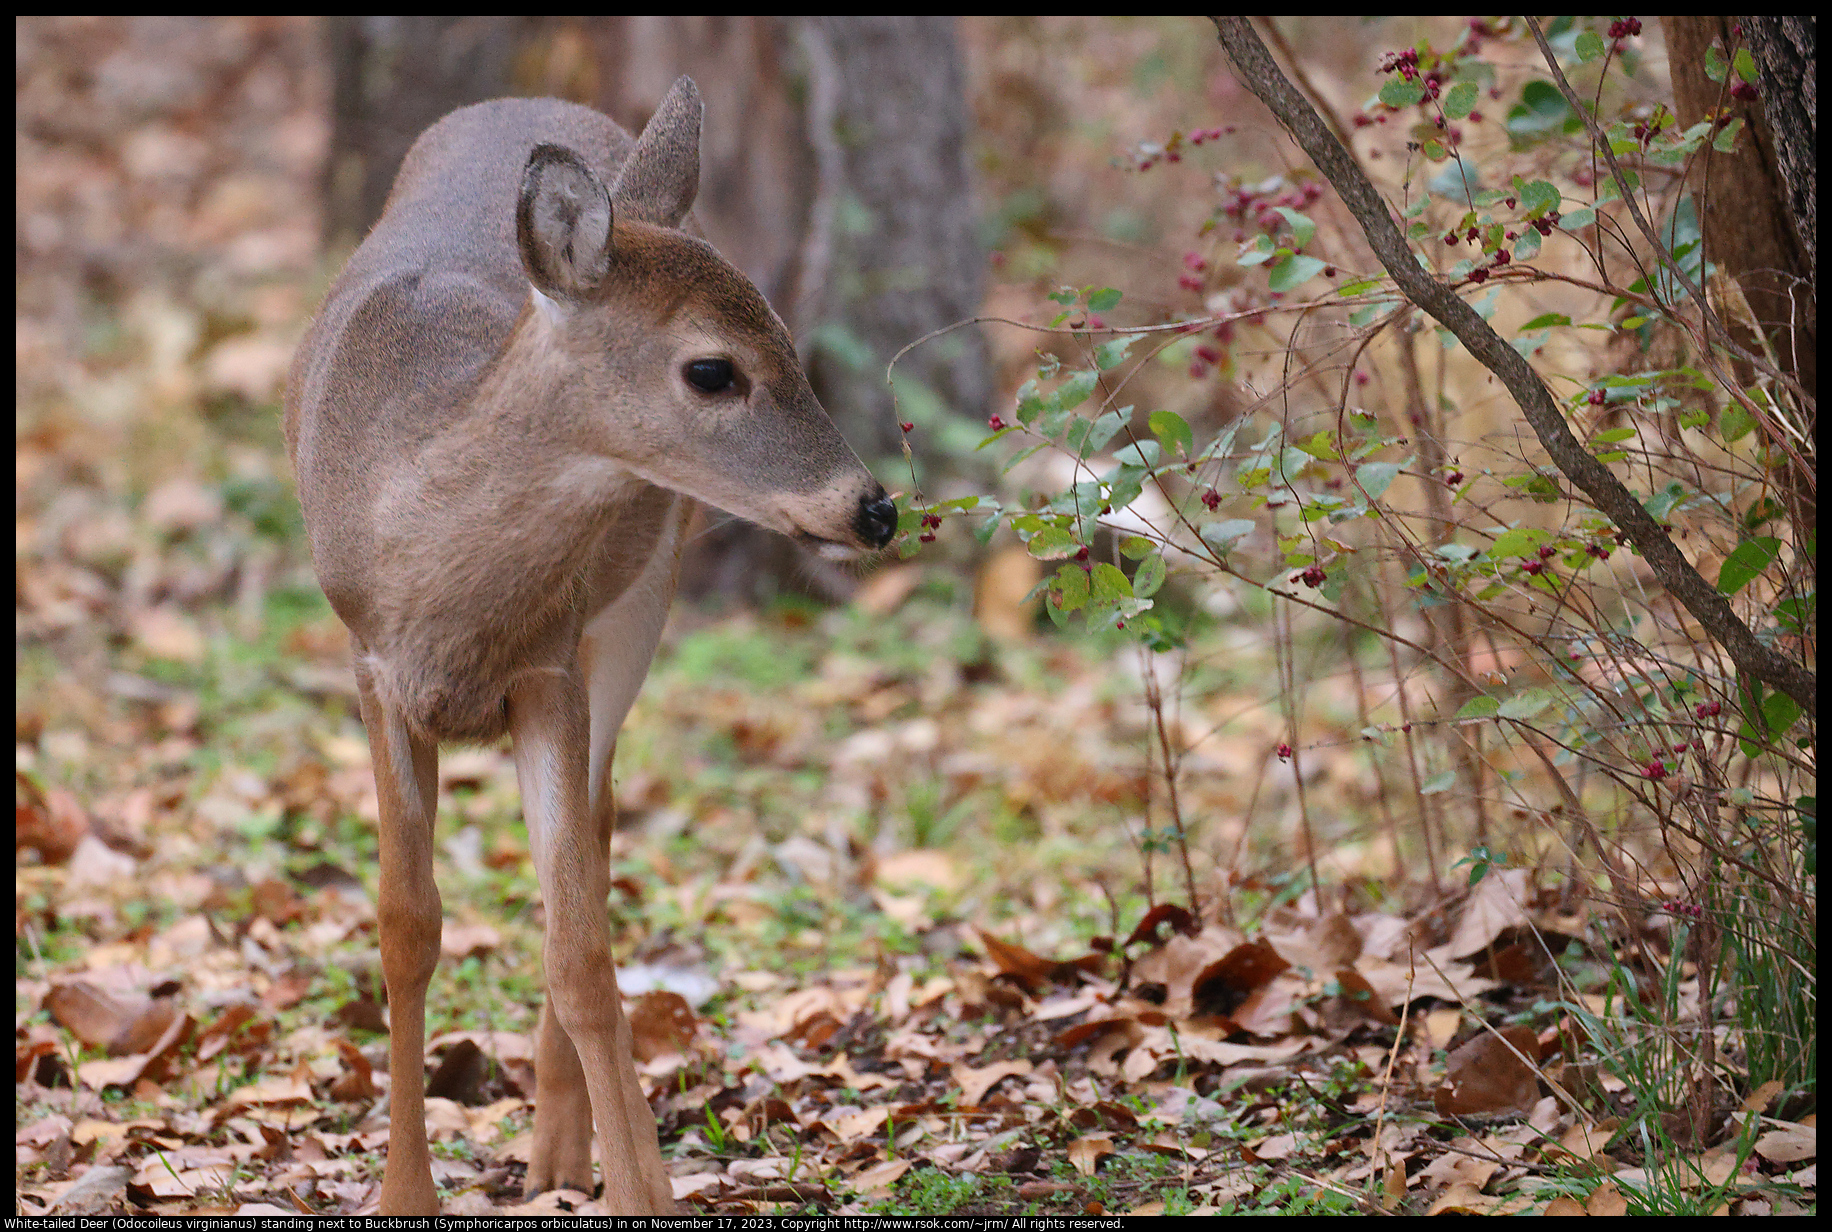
1020, 456
1525, 704
1030, 402
1401, 93
1715, 66
1302, 228
1746, 563
1256, 250
1796, 613
1778, 713
1074, 391
1149, 576
1456, 181
1366, 314
1735, 422
1105, 429
1071, 583
1053, 543
1438, 783
1527, 246
1516, 542
1726, 140
1376, 477
1321, 445
1537, 197
1294, 271
1112, 353
1482, 707
1358, 286
1745, 64
1542, 110
1104, 300
1461, 100
1139, 453
1589, 46
1547, 320
1107, 583
1124, 483
1222, 535
1169, 427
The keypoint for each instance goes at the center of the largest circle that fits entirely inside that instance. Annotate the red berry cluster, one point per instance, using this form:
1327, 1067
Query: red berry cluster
1626, 27
1211, 500
931, 522
1172, 151
1240, 202
1194, 265
1654, 771
1708, 710
1313, 577
1405, 63
1532, 565
1284, 751
994, 422
1744, 90
1689, 910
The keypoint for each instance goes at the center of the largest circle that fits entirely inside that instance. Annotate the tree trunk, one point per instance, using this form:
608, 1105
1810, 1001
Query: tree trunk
391, 77
1783, 47
1753, 220
834, 174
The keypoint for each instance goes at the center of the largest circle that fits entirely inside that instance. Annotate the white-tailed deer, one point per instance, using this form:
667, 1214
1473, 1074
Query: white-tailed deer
500, 422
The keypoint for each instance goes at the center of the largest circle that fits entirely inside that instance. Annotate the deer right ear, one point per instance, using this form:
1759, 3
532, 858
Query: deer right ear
661, 177
563, 224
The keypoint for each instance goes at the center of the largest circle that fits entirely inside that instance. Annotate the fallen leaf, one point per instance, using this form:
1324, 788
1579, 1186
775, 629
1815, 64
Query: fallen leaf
975, 1083
1789, 1144
1496, 904
881, 1176
460, 941
1606, 1201
1086, 1153
1488, 1074
661, 1023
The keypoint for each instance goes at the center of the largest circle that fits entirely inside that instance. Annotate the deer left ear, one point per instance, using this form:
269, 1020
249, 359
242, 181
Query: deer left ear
662, 177
562, 224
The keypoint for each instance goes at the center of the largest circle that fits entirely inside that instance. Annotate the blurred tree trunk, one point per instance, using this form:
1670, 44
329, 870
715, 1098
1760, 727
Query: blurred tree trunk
834, 173
391, 77
1756, 208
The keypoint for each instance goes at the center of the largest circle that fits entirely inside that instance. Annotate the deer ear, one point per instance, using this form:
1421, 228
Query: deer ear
662, 177
562, 224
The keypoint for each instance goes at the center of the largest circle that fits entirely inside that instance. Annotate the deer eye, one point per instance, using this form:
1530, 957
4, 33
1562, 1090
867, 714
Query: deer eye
710, 376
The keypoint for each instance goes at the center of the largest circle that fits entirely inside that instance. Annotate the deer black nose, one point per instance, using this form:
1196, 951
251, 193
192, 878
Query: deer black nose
877, 519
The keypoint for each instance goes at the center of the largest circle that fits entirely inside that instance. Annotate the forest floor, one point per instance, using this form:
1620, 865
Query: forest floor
900, 913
